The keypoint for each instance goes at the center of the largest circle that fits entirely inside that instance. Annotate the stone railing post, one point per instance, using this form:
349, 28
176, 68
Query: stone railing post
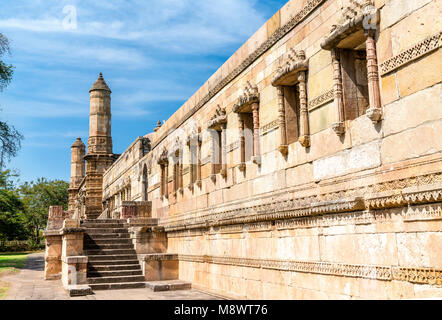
74, 263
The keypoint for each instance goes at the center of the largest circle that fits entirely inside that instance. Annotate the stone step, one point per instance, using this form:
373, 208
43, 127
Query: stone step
124, 267
118, 273
91, 231
117, 279
109, 241
168, 285
105, 263
112, 257
103, 225
109, 252
118, 286
112, 246
106, 236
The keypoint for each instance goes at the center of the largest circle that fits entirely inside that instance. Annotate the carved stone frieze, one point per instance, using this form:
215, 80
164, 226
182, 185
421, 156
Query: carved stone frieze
321, 100
384, 195
421, 48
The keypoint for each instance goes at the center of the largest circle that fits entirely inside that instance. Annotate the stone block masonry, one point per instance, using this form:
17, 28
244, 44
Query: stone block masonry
309, 166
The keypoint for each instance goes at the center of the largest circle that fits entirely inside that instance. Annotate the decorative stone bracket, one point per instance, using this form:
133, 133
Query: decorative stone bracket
291, 72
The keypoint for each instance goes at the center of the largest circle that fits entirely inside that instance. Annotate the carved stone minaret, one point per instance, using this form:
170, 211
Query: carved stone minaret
99, 152
78, 150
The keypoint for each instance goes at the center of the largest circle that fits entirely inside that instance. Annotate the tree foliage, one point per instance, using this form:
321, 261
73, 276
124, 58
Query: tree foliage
10, 138
37, 197
11, 209
6, 70
10, 142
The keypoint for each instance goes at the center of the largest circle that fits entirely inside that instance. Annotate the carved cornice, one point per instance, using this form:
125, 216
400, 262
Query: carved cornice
218, 119
279, 33
353, 19
163, 159
418, 50
383, 195
287, 73
385, 273
250, 95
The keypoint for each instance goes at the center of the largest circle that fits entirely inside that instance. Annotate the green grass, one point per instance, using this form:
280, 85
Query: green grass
10, 262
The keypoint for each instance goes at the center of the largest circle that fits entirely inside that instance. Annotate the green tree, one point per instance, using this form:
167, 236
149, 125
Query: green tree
11, 208
10, 138
37, 197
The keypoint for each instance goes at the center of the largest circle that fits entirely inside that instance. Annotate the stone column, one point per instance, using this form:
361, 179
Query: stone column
242, 144
223, 158
339, 126
375, 111
198, 169
304, 138
283, 148
256, 147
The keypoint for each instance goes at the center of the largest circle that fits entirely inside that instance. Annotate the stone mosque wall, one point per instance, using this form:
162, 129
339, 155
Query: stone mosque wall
309, 166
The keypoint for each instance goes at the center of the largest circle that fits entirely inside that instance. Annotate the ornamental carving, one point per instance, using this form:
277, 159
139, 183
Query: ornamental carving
420, 49
287, 73
163, 157
218, 119
249, 96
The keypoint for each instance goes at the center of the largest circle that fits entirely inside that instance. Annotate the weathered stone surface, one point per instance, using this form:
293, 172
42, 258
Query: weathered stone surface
326, 213
358, 158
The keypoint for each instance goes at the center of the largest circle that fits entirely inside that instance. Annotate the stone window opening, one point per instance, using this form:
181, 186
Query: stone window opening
178, 172
247, 109
145, 184
217, 129
163, 161
194, 144
355, 69
291, 83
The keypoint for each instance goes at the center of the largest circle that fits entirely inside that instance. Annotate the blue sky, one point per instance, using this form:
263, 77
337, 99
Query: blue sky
153, 54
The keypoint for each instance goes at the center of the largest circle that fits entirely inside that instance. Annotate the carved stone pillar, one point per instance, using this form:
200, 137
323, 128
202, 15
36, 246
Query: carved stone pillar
242, 144
339, 126
256, 147
304, 138
375, 111
223, 158
283, 148
198, 169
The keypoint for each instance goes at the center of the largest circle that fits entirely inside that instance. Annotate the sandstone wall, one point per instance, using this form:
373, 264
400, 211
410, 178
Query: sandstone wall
350, 216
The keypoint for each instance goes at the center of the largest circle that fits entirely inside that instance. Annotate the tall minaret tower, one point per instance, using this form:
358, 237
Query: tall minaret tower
78, 150
99, 150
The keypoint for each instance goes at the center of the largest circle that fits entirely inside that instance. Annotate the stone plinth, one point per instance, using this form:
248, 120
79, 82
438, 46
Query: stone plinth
74, 275
161, 266
53, 255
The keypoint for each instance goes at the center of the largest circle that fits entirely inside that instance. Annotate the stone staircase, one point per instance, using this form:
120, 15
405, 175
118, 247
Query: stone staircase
112, 260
